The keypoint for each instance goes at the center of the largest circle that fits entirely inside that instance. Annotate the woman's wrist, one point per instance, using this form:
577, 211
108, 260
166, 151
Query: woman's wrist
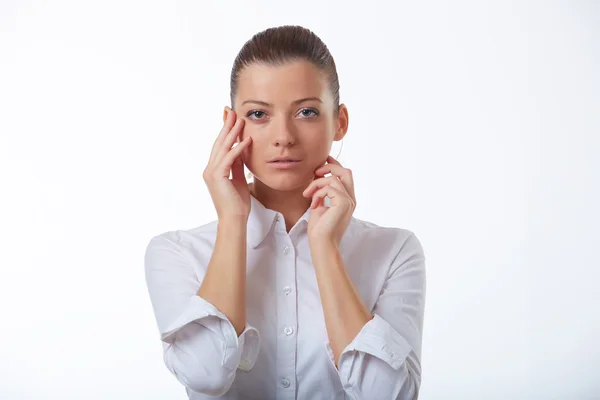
232, 224
322, 245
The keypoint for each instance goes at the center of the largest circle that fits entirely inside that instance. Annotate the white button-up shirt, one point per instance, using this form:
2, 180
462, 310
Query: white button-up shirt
284, 352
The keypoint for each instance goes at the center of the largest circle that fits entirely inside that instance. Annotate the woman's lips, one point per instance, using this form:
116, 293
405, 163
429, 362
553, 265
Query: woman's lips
283, 164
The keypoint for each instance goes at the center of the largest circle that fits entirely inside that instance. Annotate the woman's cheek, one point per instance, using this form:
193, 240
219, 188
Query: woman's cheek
247, 155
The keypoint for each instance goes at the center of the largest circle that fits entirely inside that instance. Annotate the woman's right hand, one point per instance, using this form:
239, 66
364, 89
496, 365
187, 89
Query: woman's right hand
231, 196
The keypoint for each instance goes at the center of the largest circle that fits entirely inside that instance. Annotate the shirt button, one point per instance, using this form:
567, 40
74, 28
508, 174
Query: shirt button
287, 290
286, 250
244, 364
288, 330
285, 383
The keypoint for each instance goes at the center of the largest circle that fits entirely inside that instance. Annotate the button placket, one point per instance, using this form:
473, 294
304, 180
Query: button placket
286, 315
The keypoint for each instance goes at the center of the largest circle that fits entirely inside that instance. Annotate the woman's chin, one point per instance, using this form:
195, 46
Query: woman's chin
284, 182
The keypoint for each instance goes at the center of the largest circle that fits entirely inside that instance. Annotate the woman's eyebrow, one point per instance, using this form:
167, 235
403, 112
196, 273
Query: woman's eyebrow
295, 102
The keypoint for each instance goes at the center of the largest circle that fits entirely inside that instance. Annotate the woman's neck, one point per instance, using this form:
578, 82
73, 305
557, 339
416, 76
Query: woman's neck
291, 204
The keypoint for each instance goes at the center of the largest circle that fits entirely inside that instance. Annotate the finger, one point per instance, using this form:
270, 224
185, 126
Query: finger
321, 182
227, 126
327, 191
231, 137
344, 175
227, 161
332, 160
334, 169
228, 140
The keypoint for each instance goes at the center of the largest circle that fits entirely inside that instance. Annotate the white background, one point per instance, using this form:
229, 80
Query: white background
474, 125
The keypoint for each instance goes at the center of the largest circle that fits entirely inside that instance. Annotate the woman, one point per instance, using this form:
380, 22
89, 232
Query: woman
286, 295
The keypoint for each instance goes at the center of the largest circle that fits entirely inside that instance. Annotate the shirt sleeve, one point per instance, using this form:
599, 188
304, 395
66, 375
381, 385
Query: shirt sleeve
383, 360
200, 345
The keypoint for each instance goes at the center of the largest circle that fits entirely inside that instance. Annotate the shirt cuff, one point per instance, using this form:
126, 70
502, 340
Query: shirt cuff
238, 352
379, 339
249, 343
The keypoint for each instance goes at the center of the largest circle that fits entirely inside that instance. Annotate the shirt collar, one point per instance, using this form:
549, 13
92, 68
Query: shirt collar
261, 221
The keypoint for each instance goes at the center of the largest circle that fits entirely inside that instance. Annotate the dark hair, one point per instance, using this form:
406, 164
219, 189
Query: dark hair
279, 45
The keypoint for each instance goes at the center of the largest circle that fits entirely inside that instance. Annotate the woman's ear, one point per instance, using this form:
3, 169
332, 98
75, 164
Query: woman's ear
226, 112
342, 123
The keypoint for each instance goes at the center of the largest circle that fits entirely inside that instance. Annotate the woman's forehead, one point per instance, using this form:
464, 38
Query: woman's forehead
280, 83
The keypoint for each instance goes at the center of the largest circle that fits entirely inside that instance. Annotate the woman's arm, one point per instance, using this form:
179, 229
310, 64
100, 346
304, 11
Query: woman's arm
224, 285
202, 346
377, 355
344, 311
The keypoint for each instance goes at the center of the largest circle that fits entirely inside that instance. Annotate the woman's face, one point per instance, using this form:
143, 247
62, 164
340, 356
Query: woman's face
288, 112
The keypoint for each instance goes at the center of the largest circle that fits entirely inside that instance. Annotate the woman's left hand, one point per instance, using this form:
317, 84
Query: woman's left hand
327, 225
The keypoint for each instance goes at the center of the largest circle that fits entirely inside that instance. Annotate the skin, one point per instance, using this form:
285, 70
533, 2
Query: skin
269, 121
286, 128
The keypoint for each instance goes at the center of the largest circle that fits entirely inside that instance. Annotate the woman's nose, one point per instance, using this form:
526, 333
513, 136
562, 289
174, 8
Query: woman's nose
284, 142
284, 134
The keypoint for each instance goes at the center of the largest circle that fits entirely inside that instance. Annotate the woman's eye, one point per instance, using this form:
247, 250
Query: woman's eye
305, 112
309, 112
255, 114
